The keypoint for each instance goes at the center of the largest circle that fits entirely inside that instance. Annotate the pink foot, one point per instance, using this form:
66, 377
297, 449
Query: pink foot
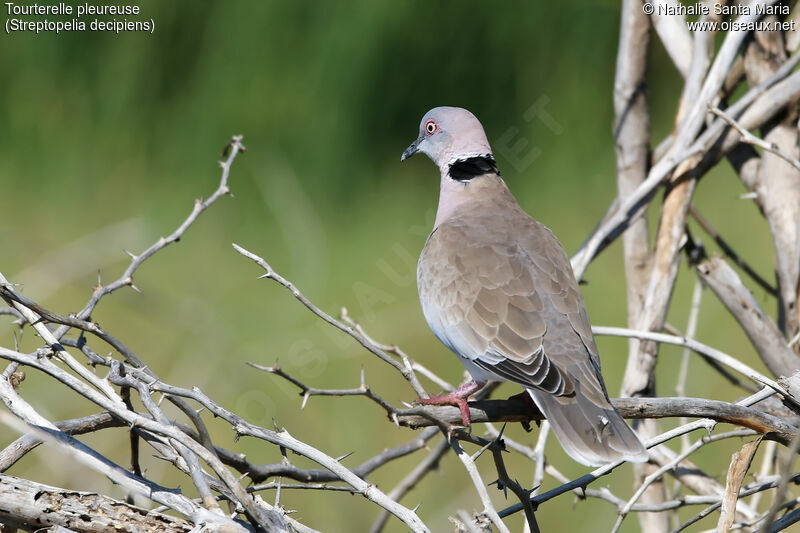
457, 398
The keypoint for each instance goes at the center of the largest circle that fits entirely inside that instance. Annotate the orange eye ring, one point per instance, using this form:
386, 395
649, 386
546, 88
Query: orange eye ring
431, 127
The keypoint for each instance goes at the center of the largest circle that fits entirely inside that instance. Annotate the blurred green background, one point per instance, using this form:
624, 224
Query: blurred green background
108, 139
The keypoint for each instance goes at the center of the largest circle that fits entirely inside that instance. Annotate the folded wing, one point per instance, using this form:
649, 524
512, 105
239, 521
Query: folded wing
511, 309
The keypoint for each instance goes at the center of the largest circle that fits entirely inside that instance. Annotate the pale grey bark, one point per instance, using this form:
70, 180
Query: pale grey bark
759, 327
35, 505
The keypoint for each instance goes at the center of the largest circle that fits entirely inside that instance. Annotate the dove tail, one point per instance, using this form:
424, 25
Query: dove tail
592, 434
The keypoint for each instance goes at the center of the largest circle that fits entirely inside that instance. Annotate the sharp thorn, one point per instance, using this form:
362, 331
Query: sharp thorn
345, 456
500, 435
479, 452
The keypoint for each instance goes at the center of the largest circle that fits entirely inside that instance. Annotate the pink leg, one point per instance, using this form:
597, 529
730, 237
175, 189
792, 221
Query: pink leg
458, 398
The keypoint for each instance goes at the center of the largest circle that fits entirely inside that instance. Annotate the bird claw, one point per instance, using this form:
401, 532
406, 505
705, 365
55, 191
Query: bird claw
453, 399
457, 398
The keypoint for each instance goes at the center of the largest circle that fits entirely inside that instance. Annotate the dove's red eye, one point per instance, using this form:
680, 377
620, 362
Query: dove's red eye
431, 127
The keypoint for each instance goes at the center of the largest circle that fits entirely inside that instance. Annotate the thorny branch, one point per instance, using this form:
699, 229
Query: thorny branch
172, 441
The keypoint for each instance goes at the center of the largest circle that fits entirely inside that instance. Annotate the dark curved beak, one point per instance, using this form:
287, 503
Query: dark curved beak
411, 150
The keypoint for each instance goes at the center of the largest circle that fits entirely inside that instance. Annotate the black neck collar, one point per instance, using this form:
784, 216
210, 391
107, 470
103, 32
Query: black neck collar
466, 169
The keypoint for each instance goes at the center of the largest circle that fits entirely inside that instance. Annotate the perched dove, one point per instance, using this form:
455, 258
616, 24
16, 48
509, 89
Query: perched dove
497, 289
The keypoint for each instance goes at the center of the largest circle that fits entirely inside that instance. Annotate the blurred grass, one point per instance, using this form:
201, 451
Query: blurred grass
107, 129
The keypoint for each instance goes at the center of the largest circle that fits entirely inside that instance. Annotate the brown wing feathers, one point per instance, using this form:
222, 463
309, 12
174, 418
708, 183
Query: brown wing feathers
503, 308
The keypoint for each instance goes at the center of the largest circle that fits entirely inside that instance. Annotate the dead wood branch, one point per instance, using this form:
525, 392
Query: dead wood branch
760, 329
36, 505
516, 410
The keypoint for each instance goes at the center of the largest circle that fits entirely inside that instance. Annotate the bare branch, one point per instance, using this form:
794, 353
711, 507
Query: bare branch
10, 311
233, 149
784, 522
260, 472
77, 426
655, 441
480, 487
730, 252
407, 373
783, 484
691, 330
45, 430
516, 410
740, 464
756, 106
36, 505
698, 347
632, 147
283, 439
749, 138
667, 467
760, 329
428, 464
776, 178
673, 33
115, 405
504, 482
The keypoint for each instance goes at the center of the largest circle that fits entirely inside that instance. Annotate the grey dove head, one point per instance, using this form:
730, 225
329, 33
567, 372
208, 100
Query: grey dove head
448, 135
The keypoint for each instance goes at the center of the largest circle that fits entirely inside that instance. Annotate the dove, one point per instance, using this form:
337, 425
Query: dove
498, 290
